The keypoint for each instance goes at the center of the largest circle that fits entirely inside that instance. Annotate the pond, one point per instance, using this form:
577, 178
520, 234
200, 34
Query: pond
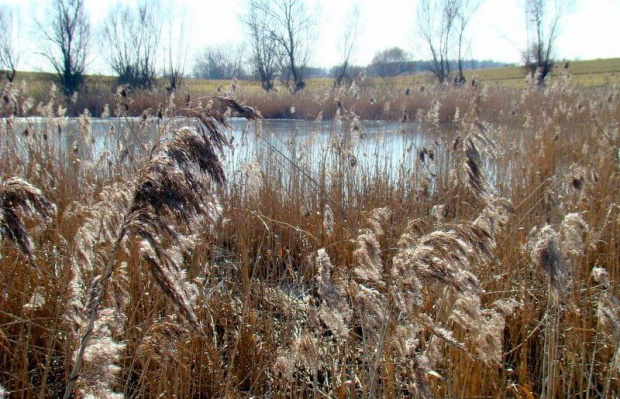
314, 147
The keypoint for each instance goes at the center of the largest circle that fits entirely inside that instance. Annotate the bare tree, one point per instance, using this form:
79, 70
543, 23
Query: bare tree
221, 62
176, 45
436, 23
265, 57
543, 22
66, 39
9, 55
389, 62
132, 36
292, 27
442, 26
348, 44
465, 12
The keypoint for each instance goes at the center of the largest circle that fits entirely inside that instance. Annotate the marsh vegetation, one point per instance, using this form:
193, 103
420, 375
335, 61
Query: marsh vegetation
478, 257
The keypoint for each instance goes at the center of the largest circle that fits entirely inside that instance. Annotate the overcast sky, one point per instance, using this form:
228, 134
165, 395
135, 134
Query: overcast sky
497, 32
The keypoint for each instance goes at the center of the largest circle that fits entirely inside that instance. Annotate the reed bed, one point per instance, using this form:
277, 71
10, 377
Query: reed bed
484, 261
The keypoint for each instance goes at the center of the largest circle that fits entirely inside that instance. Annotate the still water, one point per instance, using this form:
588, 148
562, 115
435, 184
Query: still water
367, 146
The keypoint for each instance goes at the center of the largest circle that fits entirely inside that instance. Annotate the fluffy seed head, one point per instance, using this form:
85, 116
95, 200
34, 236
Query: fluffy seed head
19, 198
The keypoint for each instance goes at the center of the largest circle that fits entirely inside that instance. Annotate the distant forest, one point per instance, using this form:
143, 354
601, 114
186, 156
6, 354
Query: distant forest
378, 68
404, 68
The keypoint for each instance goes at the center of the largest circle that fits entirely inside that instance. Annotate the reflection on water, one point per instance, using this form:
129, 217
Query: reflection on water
313, 142
310, 146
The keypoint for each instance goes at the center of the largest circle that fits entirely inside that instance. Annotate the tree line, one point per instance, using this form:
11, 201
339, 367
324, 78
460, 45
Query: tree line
138, 42
149, 39
233, 61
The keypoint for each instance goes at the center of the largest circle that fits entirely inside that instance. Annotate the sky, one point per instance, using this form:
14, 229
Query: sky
497, 31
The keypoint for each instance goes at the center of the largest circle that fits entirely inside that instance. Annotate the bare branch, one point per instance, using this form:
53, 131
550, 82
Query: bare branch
265, 57
66, 40
441, 27
177, 37
348, 44
287, 27
132, 36
221, 62
543, 19
9, 51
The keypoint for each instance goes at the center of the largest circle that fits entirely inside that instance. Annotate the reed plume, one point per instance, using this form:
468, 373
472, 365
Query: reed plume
17, 196
473, 167
608, 319
368, 275
243, 111
367, 255
328, 220
101, 358
552, 250
92, 240
447, 256
173, 188
161, 337
571, 233
334, 309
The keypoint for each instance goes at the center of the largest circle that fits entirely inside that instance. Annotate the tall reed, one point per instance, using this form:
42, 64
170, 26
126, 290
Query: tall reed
472, 250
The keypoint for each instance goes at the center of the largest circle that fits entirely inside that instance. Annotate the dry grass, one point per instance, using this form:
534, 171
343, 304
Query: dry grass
485, 263
375, 97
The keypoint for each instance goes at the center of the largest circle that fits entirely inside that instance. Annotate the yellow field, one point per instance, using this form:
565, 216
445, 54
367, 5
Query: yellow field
584, 73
